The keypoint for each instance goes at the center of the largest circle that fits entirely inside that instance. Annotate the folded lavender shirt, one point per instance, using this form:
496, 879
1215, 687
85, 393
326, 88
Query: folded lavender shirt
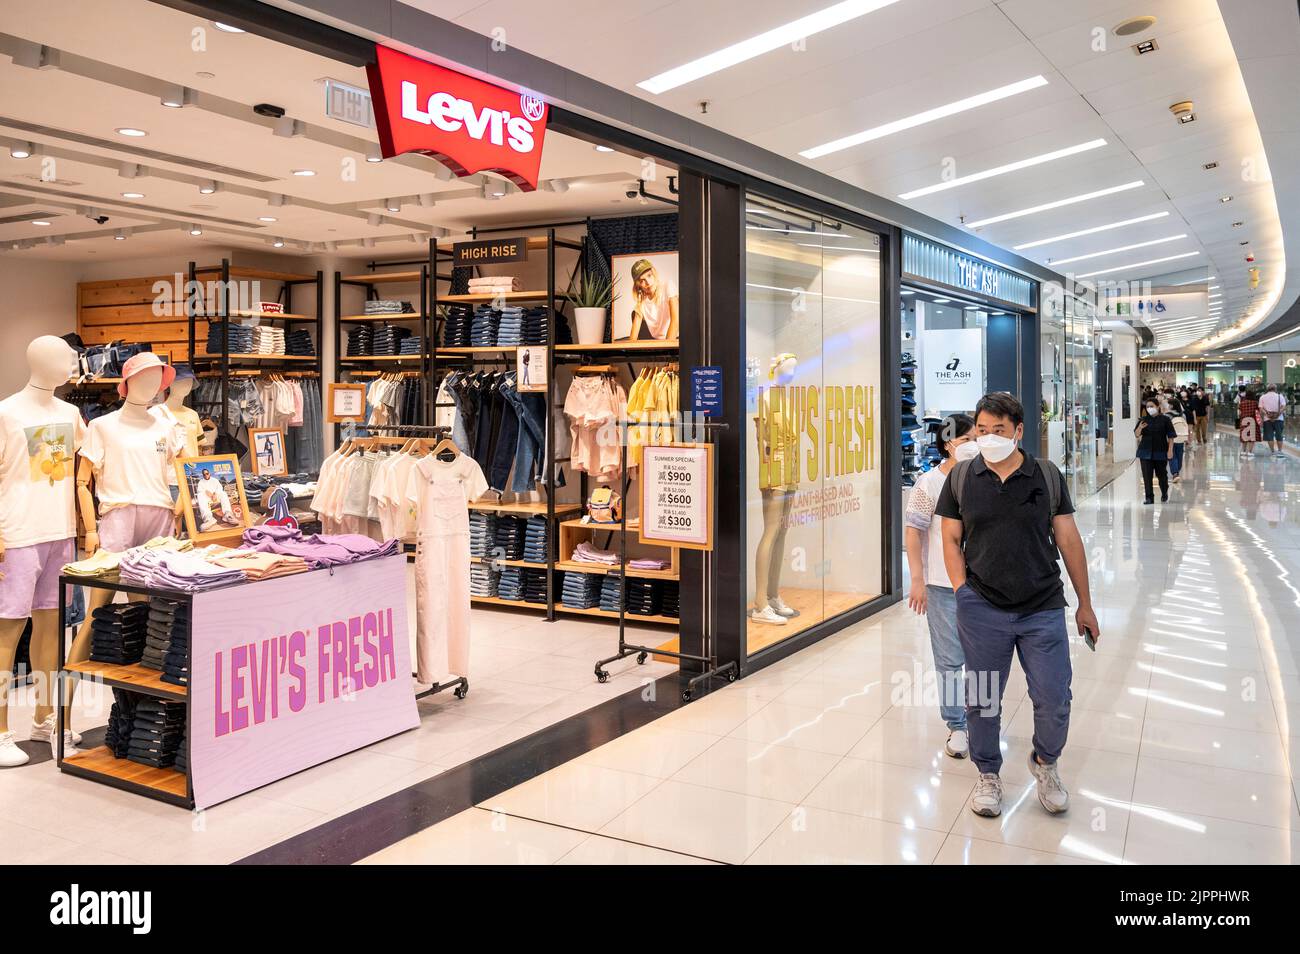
319, 550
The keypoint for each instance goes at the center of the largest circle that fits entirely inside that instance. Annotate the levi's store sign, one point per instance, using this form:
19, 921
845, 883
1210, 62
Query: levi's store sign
468, 125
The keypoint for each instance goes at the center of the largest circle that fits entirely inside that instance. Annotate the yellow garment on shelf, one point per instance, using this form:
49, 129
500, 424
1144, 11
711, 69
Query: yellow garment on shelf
167, 543
99, 563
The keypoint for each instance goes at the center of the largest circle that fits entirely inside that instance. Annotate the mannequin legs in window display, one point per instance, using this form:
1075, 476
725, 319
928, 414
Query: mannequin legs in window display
39, 436
774, 431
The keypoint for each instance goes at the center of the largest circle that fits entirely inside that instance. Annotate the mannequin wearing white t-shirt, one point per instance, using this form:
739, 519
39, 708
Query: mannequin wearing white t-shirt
52, 432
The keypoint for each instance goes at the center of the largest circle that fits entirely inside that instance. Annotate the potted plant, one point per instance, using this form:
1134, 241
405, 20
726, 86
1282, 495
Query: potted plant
592, 299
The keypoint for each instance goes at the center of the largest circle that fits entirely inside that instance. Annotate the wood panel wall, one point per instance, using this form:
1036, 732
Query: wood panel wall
129, 309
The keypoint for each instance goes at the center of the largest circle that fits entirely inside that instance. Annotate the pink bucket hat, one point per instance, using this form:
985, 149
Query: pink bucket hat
143, 362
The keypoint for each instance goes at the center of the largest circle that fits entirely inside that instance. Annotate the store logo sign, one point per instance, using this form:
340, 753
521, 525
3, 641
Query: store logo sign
468, 125
950, 373
977, 277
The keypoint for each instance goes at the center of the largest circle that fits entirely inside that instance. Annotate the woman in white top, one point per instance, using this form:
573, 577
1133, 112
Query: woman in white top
931, 593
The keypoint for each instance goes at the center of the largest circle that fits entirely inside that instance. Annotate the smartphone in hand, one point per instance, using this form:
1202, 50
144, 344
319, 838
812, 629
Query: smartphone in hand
1089, 640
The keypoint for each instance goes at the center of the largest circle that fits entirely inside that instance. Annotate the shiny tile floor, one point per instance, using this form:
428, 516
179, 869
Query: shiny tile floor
526, 674
1184, 743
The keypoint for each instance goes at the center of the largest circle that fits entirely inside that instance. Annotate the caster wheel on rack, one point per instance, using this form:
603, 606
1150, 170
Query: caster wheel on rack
731, 675
602, 676
462, 692
686, 695
640, 660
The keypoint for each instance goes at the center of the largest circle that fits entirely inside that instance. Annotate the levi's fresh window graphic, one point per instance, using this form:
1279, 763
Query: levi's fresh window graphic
468, 125
49, 452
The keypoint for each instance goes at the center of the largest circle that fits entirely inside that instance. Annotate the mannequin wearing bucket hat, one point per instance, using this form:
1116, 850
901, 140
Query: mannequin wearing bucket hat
776, 436
39, 437
654, 303
129, 454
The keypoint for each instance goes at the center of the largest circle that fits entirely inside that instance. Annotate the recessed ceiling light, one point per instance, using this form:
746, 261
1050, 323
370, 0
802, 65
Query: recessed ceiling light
604, 149
226, 27
907, 291
1091, 231
21, 150
133, 195
130, 131
207, 188
1153, 261
176, 97
766, 42
1122, 248
1225, 198
392, 205
266, 218
942, 301
40, 222
927, 116
119, 235
373, 154
195, 230
205, 74
304, 172
1237, 225
1213, 287
278, 243
1087, 196
1009, 167
1133, 25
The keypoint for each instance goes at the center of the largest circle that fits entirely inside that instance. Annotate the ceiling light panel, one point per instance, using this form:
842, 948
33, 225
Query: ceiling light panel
1092, 231
1059, 203
1153, 261
774, 39
1002, 170
928, 116
1112, 251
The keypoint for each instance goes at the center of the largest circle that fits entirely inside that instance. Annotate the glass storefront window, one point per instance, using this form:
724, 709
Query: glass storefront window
813, 473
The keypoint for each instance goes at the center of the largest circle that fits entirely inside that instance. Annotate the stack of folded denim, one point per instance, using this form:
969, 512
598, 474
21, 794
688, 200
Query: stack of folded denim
510, 537
609, 592
182, 763
388, 306
238, 338
412, 344
510, 326
483, 579
456, 327
482, 533
535, 539
359, 341
299, 342
483, 327
176, 664
581, 590
535, 586
671, 599
117, 633
117, 737
167, 618
388, 339
511, 584
157, 732
644, 597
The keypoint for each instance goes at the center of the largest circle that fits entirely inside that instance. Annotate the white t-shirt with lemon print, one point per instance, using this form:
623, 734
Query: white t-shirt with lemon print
38, 461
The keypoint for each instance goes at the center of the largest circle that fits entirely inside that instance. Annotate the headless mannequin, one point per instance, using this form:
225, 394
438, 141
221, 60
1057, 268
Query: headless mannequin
51, 362
141, 391
178, 392
778, 501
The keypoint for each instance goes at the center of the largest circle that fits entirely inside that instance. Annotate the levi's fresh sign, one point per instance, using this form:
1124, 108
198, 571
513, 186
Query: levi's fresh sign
468, 125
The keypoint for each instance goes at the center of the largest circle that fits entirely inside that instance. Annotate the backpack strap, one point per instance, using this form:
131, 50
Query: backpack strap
957, 478
1052, 474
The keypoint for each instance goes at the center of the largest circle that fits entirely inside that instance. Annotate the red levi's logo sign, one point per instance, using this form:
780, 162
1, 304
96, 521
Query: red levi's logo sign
468, 125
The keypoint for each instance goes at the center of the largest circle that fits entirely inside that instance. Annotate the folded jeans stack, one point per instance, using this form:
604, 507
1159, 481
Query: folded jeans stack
238, 338
644, 597
482, 533
671, 599
182, 763
166, 618
157, 732
412, 344
388, 339
298, 342
117, 737
610, 591
176, 663
511, 584
510, 537
534, 586
581, 590
536, 539
483, 327
483, 580
510, 326
117, 633
359, 341
457, 326
388, 306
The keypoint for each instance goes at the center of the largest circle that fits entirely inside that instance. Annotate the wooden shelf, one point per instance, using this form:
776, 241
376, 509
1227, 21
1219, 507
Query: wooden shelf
101, 762
529, 508
256, 314
384, 278
257, 357
239, 271
493, 296
576, 566
516, 604
610, 614
367, 319
616, 346
135, 677
480, 349
381, 357
632, 526
526, 564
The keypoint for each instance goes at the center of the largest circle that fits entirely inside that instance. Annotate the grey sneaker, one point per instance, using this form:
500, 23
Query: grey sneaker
958, 745
987, 800
1051, 792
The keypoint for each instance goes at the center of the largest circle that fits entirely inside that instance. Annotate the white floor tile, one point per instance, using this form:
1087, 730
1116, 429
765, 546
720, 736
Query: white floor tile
598, 850
1250, 797
657, 751
477, 837
758, 768
804, 728
814, 836
910, 797
575, 795
961, 850
1215, 746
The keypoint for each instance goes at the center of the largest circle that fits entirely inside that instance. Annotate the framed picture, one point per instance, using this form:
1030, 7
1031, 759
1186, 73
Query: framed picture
646, 306
266, 447
345, 402
212, 496
530, 368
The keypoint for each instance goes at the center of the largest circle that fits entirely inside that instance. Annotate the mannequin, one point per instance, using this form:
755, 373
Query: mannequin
778, 501
129, 454
39, 437
186, 417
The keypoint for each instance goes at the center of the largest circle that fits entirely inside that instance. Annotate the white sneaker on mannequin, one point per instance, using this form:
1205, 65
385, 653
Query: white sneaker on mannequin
778, 604
767, 615
44, 731
10, 755
69, 745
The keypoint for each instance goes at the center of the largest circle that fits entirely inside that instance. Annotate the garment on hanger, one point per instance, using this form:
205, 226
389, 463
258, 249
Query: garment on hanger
653, 404
594, 405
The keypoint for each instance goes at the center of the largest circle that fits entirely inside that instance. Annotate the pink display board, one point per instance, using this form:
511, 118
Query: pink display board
288, 673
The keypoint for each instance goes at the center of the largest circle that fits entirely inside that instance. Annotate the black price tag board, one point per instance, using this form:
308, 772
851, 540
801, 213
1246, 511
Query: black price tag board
490, 251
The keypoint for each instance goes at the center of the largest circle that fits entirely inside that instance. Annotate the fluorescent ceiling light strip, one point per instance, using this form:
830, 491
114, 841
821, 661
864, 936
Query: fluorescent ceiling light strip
773, 39
1136, 184
1122, 248
1009, 167
929, 116
1152, 261
1092, 231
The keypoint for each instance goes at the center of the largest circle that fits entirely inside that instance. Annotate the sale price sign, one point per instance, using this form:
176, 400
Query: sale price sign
677, 496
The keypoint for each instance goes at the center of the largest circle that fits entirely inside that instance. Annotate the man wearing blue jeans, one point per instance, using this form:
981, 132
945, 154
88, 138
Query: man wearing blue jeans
1003, 525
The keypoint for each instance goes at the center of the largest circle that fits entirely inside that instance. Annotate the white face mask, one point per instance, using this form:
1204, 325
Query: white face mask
995, 447
1151, 409
968, 451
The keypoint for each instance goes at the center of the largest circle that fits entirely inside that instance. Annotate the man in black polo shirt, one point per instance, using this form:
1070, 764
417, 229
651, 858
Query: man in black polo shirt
1199, 406
1001, 534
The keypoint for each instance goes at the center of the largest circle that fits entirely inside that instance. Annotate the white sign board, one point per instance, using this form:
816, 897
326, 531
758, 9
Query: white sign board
677, 496
952, 365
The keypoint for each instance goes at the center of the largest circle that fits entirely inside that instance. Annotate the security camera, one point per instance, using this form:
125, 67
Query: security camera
98, 219
631, 193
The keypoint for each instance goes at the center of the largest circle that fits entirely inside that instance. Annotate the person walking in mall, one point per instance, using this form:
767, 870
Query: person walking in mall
1006, 517
1173, 408
1155, 433
931, 591
1272, 411
1198, 406
1247, 421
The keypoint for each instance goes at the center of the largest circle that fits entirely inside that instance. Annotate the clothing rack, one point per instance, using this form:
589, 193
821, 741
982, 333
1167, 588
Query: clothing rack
709, 658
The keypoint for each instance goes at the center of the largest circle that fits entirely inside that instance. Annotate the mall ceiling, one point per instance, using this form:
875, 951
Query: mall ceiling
1062, 95
107, 66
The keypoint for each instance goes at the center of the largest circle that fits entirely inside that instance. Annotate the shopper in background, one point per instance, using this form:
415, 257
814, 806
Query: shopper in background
1198, 407
1272, 408
1006, 516
1173, 409
1155, 434
931, 593
1247, 420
